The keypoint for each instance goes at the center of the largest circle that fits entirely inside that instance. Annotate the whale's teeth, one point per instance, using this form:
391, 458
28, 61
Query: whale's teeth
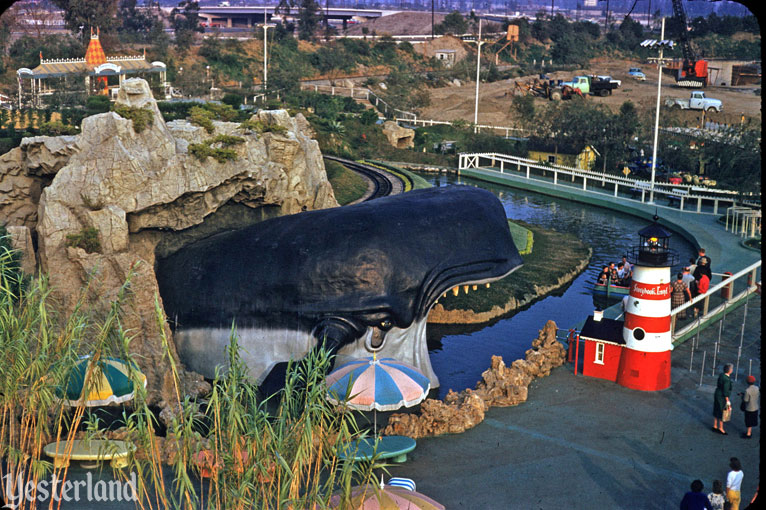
488, 285
474, 287
465, 289
445, 294
455, 290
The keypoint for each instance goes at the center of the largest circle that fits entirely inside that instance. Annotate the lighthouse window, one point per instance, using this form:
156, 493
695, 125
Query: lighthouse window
599, 353
639, 334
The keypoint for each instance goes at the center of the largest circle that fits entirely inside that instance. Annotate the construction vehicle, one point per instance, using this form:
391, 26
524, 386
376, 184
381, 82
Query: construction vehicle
546, 89
693, 72
592, 85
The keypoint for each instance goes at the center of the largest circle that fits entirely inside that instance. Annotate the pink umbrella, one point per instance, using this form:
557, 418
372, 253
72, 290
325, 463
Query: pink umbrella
384, 497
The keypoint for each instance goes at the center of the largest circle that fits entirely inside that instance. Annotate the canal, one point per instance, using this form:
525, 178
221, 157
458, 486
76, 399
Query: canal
459, 354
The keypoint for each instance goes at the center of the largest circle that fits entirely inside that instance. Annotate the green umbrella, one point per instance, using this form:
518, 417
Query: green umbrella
109, 383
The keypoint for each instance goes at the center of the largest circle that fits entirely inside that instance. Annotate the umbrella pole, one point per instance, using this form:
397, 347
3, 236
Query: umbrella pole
375, 422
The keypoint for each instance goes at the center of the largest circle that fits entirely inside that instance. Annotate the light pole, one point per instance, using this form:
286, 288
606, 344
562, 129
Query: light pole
650, 43
478, 67
266, 27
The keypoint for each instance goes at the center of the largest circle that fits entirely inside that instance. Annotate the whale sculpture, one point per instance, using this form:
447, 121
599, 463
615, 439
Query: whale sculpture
357, 279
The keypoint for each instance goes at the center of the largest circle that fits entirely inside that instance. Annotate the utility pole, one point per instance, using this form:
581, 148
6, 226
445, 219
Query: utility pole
478, 64
606, 18
432, 20
552, 2
266, 27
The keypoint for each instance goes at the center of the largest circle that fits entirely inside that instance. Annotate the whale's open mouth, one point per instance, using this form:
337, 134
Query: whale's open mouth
357, 279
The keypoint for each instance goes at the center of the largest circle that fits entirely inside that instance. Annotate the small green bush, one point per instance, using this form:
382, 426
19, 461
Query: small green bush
141, 117
260, 127
202, 117
56, 128
223, 154
87, 239
227, 140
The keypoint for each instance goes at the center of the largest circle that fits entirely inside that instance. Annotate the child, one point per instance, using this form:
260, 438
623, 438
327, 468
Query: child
716, 497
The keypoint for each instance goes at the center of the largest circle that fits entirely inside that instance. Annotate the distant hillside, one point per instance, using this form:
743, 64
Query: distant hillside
402, 23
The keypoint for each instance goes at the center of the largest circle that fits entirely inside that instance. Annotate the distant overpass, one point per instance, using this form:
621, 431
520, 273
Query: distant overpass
247, 17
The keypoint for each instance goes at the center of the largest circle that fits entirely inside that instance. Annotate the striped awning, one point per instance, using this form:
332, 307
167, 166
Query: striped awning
118, 65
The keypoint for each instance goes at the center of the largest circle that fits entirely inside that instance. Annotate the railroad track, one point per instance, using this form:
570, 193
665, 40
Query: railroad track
382, 183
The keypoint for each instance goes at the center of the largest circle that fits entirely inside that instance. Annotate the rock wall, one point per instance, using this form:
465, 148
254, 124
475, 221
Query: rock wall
140, 188
501, 386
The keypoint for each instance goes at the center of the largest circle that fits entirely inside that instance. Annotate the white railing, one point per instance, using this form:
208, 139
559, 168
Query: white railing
750, 273
361, 93
680, 193
430, 122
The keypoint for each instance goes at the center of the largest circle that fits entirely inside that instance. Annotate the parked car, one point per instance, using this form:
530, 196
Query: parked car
637, 74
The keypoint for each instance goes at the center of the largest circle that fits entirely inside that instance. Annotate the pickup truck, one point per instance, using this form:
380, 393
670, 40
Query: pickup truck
610, 79
697, 101
592, 85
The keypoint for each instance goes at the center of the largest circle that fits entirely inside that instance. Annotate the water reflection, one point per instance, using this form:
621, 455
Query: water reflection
459, 354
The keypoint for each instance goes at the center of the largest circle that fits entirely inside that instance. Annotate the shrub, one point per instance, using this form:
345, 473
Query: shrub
56, 128
141, 117
202, 117
261, 127
97, 104
87, 239
221, 154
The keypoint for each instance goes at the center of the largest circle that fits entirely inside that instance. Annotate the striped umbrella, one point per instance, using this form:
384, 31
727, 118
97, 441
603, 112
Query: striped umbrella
385, 497
109, 383
377, 384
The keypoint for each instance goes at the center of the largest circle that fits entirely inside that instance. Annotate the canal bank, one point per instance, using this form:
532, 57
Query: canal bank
702, 230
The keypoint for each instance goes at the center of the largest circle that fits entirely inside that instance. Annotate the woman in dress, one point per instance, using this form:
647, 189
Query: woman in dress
678, 295
721, 398
751, 398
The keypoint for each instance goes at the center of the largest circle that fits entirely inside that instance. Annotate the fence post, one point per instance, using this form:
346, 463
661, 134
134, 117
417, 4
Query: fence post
703, 366
615, 189
691, 360
527, 171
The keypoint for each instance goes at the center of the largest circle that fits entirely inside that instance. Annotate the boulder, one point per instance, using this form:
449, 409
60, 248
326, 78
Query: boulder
501, 386
399, 137
21, 239
142, 190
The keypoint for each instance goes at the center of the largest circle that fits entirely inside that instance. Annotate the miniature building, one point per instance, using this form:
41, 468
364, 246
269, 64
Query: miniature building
635, 353
446, 57
580, 156
103, 74
602, 348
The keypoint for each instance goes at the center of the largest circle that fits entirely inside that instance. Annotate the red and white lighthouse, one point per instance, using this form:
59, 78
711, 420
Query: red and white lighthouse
645, 360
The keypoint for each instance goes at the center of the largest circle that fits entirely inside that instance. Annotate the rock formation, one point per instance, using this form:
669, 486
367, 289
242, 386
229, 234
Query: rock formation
399, 137
146, 195
501, 386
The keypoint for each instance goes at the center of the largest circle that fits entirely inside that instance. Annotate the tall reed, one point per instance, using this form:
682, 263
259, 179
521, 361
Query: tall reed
231, 449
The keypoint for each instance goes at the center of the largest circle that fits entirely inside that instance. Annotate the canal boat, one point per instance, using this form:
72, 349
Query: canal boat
612, 289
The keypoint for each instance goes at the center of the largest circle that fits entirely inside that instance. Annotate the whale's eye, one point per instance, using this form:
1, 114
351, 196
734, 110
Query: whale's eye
385, 324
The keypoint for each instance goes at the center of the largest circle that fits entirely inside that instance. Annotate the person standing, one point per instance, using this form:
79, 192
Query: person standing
751, 399
708, 262
688, 278
702, 268
716, 497
679, 294
734, 483
695, 499
721, 398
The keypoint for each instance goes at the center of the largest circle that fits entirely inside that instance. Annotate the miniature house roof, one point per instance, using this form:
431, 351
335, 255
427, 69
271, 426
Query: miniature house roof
605, 330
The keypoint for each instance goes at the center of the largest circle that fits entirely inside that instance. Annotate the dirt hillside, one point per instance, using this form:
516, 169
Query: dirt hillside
451, 103
402, 23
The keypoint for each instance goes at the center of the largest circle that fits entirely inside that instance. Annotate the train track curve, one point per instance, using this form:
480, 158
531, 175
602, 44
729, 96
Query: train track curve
380, 182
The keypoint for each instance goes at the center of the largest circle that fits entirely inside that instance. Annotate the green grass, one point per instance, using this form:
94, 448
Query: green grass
523, 238
554, 255
346, 184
